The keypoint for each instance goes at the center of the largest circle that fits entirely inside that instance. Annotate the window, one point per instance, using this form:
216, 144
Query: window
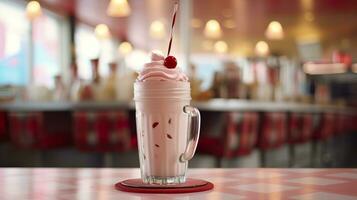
14, 44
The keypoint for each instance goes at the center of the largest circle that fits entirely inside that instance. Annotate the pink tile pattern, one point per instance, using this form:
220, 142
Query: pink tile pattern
244, 183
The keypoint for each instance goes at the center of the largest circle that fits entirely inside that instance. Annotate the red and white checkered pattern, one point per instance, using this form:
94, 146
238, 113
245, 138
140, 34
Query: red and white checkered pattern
242, 133
290, 184
239, 136
27, 130
301, 127
273, 131
102, 131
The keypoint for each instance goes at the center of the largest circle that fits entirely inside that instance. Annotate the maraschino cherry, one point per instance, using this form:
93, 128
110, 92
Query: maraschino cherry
170, 62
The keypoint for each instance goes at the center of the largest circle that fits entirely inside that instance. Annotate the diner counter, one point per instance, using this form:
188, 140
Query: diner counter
229, 184
211, 105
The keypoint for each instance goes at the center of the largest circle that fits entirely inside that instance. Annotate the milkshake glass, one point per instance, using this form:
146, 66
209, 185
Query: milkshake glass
167, 127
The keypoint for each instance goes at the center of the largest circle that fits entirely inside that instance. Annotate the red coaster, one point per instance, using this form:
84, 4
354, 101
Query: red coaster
138, 186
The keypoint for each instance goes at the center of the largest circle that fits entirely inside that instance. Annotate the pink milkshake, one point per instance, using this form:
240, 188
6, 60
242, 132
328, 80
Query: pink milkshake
167, 127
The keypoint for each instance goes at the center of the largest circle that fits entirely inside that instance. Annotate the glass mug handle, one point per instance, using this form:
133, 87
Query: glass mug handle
194, 124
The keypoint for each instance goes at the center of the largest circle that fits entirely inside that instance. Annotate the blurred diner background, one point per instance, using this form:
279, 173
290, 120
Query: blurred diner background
275, 80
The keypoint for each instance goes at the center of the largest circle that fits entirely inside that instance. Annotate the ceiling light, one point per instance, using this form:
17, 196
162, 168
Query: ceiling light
274, 31
157, 30
33, 10
102, 31
125, 48
212, 29
220, 47
118, 8
262, 48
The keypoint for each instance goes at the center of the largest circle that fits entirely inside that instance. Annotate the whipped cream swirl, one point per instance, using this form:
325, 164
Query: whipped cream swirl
156, 70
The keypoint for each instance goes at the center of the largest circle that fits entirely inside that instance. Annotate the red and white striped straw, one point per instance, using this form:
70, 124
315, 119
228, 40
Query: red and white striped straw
172, 27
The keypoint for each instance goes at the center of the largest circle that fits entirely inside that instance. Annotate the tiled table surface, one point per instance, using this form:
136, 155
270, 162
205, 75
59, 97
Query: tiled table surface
85, 183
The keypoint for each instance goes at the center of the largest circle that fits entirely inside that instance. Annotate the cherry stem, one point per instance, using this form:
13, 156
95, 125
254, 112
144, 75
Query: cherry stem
172, 27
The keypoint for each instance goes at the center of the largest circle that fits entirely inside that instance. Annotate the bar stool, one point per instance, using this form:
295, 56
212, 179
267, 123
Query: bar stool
3, 126
102, 132
3, 138
321, 146
341, 144
353, 123
339, 129
347, 123
25, 129
37, 133
301, 126
39, 130
237, 139
272, 137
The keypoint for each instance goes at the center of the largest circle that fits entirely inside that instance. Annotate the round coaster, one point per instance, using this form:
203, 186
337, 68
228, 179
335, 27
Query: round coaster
138, 186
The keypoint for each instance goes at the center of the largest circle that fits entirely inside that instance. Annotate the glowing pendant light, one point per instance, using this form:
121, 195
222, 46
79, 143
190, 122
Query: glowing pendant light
102, 31
262, 48
221, 46
212, 29
274, 31
118, 8
125, 48
157, 30
33, 10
